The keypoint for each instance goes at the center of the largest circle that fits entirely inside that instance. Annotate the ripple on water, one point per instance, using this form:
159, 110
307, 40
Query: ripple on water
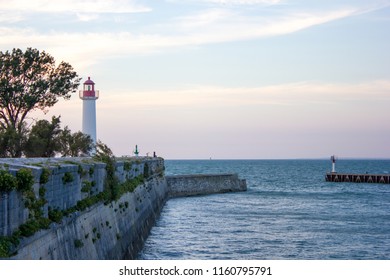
288, 212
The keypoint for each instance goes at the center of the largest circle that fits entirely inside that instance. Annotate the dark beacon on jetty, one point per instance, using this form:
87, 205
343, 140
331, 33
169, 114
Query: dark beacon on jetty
355, 178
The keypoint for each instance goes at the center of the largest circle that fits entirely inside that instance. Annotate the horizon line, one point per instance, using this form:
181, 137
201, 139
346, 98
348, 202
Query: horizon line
248, 159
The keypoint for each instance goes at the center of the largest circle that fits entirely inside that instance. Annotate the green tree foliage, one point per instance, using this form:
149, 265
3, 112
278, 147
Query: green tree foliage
43, 140
12, 142
48, 139
104, 153
74, 144
30, 81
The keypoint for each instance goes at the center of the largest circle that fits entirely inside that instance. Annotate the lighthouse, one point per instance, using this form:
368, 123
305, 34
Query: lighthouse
89, 96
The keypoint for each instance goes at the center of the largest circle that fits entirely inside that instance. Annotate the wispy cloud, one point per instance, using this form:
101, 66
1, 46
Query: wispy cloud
292, 94
203, 27
87, 10
74, 6
10, 17
234, 2
216, 26
212, 26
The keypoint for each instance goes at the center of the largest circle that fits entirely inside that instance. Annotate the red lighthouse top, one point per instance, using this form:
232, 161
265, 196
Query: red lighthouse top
88, 91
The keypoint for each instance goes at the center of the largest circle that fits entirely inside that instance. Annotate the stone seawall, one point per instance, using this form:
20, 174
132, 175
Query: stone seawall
202, 184
66, 183
65, 214
114, 229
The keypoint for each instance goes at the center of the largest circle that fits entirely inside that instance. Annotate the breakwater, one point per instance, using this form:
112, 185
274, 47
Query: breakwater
202, 184
358, 178
66, 213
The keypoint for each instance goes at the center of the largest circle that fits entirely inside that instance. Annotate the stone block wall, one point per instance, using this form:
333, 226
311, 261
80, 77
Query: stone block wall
106, 231
202, 184
12, 212
70, 180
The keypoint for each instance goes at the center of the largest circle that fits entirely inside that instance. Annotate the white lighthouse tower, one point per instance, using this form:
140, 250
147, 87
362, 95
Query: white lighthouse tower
89, 96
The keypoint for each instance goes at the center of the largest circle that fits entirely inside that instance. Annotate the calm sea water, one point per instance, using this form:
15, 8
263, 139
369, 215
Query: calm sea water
288, 212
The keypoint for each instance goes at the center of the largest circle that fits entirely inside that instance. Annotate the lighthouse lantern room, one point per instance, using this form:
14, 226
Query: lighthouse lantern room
89, 96
89, 91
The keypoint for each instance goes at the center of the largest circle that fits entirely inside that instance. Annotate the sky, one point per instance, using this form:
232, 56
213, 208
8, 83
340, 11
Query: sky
221, 79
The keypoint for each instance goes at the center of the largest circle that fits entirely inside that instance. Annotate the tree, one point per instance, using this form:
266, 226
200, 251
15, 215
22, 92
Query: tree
12, 142
43, 138
74, 144
31, 81
47, 139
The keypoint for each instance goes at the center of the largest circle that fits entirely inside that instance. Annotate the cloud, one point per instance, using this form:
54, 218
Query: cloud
207, 27
10, 17
215, 26
234, 2
20, 10
292, 94
74, 6
244, 2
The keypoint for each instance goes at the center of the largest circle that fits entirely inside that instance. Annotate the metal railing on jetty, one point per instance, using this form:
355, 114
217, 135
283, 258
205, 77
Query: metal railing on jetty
358, 178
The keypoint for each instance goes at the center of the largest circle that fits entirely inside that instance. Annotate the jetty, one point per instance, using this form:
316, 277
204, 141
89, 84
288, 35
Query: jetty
355, 178
358, 178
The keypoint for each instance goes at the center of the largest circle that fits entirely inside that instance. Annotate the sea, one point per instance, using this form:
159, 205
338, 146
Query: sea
289, 212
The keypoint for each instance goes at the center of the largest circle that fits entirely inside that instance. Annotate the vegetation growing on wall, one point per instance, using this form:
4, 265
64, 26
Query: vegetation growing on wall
55, 215
146, 170
7, 181
44, 178
78, 243
7, 244
128, 186
33, 225
104, 154
23, 181
91, 171
127, 166
67, 178
87, 187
